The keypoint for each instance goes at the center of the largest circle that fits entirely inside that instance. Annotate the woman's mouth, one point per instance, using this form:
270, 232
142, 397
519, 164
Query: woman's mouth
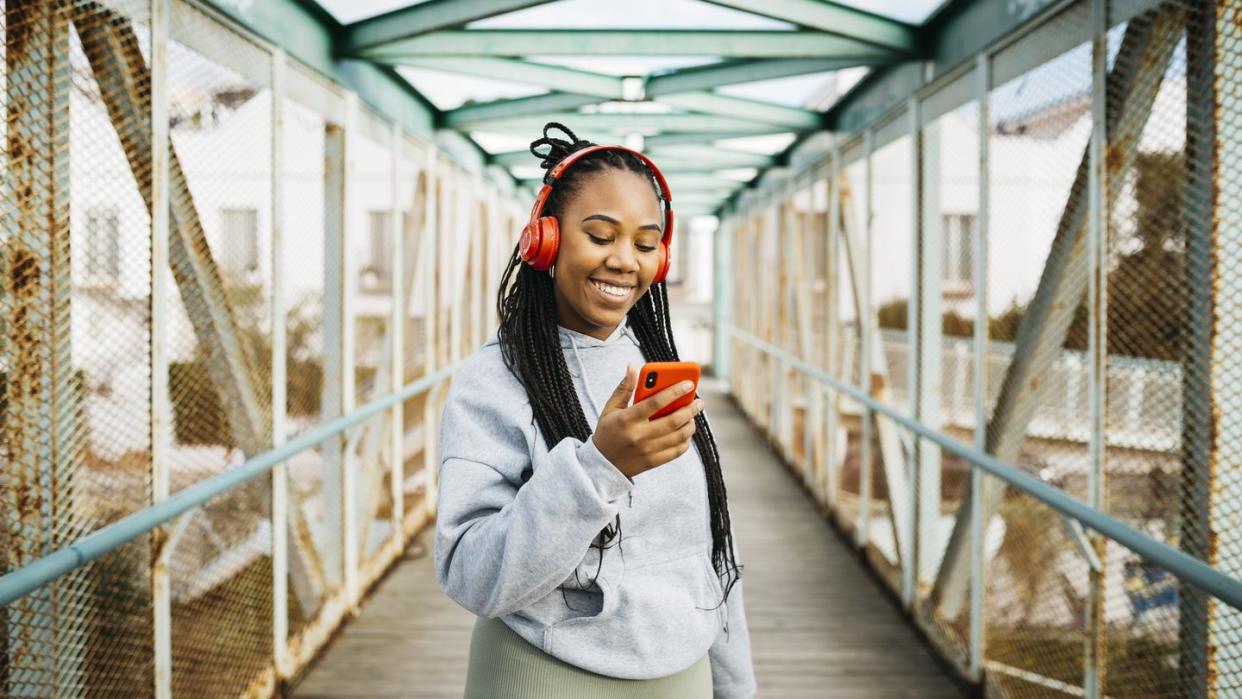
612, 292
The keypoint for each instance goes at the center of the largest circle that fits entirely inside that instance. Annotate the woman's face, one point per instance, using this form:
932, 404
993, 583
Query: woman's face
609, 251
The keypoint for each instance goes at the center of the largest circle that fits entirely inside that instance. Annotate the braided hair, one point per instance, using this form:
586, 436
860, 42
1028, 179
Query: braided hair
530, 344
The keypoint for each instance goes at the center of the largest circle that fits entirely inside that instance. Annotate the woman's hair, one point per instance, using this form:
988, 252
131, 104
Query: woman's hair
530, 343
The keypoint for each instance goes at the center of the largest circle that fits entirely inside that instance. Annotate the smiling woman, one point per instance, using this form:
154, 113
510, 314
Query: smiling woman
609, 251
536, 472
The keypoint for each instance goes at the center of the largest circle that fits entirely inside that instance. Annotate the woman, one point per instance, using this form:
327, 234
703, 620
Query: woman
537, 476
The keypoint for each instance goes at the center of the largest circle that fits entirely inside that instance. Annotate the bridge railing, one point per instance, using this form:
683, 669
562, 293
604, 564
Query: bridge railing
993, 330
211, 255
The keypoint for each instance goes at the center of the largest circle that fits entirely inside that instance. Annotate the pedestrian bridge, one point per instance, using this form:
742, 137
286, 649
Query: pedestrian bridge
964, 275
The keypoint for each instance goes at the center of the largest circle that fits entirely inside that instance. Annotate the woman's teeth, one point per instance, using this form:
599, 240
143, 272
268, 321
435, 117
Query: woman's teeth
617, 291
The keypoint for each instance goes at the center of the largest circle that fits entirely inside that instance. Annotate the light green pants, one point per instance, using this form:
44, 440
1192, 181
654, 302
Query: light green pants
503, 664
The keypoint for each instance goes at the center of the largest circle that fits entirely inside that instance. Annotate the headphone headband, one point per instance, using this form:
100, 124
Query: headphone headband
553, 174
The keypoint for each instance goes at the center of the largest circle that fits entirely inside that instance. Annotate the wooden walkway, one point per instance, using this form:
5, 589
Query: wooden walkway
819, 626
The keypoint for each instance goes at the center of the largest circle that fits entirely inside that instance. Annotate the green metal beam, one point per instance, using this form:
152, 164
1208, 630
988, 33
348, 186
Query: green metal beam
718, 158
955, 34
834, 18
699, 138
718, 190
522, 106
754, 110
422, 19
552, 77
669, 166
306, 32
692, 183
605, 86
708, 200
596, 42
518, 158
699, 102
620, 123
743, 71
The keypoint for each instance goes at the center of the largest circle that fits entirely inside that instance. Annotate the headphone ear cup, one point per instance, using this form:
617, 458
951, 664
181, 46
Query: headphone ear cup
544, 255
528, 244
662, 269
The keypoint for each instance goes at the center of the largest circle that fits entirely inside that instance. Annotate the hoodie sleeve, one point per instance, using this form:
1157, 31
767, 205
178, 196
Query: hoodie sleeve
499, 547
733, 672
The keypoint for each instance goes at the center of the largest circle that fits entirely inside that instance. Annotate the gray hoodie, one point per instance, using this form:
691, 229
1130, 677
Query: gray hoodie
520, 551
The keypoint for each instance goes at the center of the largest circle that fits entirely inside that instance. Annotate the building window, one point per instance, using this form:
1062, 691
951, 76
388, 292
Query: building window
959, 265
240, 244
103, 246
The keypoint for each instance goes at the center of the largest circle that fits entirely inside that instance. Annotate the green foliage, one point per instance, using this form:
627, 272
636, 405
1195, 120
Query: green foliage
1031, 543
893, 315
199, 416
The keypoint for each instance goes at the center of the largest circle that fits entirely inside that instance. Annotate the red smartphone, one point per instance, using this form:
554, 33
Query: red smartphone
657, 376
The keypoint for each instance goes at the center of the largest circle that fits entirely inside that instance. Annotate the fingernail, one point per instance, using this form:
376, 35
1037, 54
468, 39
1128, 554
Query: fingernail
685, 387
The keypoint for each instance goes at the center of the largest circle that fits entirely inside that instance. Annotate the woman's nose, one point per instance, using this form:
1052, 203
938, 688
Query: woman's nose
625, 261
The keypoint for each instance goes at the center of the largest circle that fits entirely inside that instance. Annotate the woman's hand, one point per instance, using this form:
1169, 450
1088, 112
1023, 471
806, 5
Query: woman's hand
634, 443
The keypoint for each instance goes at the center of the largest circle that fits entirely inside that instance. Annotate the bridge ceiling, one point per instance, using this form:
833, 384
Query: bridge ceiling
716, 91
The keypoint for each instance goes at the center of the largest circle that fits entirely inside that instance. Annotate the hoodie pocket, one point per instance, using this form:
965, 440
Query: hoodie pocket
586, 606
661, 618
715, 589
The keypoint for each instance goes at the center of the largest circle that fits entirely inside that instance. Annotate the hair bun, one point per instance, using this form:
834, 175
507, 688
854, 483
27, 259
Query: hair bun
558, 148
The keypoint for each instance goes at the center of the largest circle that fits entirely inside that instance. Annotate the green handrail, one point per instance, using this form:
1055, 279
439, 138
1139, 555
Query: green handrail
38, 573
1186, 567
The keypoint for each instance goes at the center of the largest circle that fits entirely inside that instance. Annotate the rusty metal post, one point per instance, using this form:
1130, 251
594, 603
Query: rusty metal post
983, 84
1094, 654
350, 544
396, 339
431, 229
865, 320
832, 331
1213, 217
926, 325
334, 366
280, 478
161, 399
42, 393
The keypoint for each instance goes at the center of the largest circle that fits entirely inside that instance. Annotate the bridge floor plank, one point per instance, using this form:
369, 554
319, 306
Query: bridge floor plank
819, 627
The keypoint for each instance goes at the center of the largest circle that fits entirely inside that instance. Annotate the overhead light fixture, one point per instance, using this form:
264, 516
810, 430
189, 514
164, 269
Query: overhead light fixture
633, 88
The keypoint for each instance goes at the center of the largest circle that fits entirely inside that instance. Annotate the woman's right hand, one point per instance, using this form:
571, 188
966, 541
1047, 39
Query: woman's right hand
634, 443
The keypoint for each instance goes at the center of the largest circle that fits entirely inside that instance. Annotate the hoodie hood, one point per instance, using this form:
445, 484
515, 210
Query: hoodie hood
601, 354
571, 338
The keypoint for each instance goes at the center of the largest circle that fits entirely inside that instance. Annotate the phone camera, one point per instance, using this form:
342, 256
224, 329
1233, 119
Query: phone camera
651, 379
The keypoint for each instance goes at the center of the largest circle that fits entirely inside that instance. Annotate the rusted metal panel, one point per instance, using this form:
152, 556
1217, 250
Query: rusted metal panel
113, 51
1146, 49
42, 394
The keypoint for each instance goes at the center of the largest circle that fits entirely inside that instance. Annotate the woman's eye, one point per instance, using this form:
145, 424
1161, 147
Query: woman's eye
646, 248
598, 240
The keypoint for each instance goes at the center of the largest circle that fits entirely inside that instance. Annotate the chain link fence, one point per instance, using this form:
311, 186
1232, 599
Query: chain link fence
301, 265
1045, 243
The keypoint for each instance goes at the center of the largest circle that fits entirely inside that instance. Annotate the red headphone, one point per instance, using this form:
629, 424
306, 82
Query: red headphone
541, 238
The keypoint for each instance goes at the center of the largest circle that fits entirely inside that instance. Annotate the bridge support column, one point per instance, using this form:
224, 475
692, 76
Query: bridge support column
41, 634
722, 301
1212, 429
